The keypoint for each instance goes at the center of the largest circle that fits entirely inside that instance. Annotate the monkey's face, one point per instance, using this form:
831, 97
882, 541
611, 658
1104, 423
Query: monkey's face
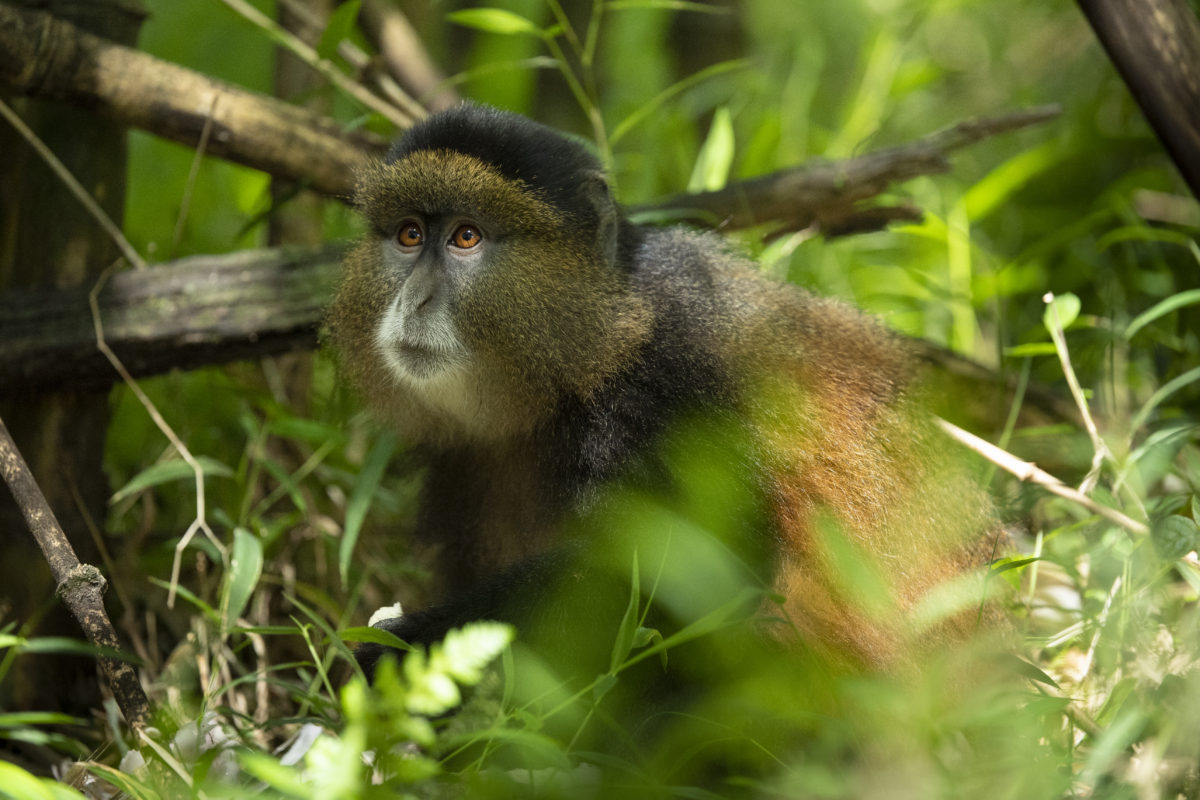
431, 258
478, 298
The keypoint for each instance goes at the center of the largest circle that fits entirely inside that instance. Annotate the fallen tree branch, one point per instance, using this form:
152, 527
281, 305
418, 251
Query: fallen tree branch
46, 57
828, 194
186, 314
216, 309
80, 586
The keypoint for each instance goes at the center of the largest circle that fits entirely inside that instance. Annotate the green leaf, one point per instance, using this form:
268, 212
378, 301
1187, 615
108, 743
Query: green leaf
167, 471
430, 691
272, 773
126, 783
494, 20
1172, 303
245, 568
1031, 349
716, 155
341, 23
360, 499
1001, 183
1015, 563
16, 782
374, 635
1067, 308
1028, 669
1162, 393
627, 630
1174, 537
19, 718
467, 650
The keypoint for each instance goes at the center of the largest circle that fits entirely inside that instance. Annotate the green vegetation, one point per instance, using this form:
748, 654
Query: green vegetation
312, 511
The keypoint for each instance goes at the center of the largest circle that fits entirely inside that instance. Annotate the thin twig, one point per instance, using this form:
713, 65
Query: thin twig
1100, 450
200, 523
185, 202
1028, 471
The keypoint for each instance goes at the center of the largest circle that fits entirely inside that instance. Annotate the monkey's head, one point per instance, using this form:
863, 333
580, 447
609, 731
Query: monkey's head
490, 283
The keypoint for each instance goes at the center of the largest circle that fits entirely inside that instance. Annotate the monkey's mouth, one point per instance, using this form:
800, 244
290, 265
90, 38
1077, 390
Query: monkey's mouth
416, 360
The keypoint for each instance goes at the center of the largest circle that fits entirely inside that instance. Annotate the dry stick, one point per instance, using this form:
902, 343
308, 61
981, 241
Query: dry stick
404, 55
200, 523
81, 586
1028, 471
828, 194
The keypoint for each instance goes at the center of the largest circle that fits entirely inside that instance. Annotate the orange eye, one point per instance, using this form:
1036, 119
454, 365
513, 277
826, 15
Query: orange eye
466, 237
410, 235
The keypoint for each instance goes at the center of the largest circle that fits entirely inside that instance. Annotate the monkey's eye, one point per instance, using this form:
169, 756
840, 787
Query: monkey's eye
410, 235
466, 237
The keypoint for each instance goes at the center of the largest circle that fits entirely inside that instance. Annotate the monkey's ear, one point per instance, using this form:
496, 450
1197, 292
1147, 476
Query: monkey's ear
604, 209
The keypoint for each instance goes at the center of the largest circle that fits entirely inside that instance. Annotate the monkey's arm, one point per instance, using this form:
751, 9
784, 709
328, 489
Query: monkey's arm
522, 595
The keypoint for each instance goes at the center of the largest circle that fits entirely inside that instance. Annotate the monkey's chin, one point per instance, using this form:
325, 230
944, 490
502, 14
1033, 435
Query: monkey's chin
416, 363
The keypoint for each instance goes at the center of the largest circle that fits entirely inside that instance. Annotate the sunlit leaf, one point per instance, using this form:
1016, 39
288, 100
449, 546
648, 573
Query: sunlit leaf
711, 171
494, 20
467, 650
1061, 311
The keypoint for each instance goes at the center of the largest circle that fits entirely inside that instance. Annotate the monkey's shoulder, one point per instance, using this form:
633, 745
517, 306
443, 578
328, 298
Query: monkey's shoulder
703, 286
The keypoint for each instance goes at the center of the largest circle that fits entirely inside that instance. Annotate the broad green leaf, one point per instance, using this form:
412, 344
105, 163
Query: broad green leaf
494, 20
167, 471
1067, 307
341, 23
360, 499
245, 568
